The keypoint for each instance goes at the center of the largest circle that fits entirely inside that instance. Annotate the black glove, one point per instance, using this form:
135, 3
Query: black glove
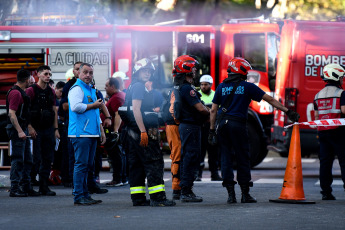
212, 137
111, 139
293, 116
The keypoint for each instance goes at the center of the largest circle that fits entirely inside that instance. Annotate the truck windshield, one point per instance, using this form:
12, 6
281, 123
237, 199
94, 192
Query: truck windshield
198, 45
164, 47
252, 48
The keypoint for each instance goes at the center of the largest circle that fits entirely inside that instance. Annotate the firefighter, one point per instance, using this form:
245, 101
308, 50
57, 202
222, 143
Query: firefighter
192, 114
330, 103
232, 128
144, 156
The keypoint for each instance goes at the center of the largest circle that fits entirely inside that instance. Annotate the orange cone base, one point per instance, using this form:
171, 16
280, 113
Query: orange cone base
292, 201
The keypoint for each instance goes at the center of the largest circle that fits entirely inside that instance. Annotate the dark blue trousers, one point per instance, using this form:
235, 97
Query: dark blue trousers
233, 144
190, 153
331, 144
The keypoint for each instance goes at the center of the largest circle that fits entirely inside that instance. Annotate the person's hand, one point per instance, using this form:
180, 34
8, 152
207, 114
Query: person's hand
32, 132
97, 104
57, 134
212, 137
107, 123
293, 116
103, 139
22, 135
144, 139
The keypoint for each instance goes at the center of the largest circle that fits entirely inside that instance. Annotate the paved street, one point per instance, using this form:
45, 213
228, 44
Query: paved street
116, 211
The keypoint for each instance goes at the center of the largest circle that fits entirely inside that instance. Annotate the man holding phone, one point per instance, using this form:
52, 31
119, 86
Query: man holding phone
84, 128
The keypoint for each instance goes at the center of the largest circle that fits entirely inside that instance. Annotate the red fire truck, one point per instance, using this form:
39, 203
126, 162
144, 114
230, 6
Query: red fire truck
305, 48
114, 48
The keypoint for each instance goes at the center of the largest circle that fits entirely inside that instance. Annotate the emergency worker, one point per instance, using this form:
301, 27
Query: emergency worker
232, 125
17, 106
174, 141
192, 115
144, 156
207, 94
330, 103
43, 128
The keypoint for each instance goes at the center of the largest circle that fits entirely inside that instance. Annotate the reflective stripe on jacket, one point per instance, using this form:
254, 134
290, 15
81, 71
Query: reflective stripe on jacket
328, 104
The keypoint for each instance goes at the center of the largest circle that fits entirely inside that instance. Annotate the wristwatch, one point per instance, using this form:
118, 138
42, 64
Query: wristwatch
108, 118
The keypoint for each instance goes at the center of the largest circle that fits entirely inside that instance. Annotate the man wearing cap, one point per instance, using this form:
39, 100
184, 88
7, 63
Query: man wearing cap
207, 95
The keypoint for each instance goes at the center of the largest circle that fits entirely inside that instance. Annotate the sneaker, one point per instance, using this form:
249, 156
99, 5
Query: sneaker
162, 203
190, 197
83, 202
198, 179
114, 184
125, 182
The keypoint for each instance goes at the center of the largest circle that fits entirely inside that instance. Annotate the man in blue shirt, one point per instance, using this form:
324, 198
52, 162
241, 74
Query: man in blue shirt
84, 129
232, 128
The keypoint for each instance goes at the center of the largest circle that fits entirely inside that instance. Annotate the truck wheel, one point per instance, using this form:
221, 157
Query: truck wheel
257, 147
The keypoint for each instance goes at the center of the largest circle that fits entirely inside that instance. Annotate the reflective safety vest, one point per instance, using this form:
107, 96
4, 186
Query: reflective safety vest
328, 104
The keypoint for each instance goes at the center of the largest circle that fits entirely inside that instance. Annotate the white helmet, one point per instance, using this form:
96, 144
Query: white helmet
69, 74
206, 78
120, 74
333, 72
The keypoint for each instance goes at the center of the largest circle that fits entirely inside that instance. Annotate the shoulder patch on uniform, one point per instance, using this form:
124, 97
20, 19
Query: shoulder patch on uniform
192, 93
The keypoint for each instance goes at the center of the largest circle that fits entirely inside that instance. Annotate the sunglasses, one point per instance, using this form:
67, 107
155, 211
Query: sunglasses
46, 74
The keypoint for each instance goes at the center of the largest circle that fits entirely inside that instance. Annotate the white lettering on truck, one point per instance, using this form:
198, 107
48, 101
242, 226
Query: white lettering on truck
315, 63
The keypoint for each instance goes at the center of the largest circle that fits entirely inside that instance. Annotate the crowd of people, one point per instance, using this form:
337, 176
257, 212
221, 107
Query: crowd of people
70, 126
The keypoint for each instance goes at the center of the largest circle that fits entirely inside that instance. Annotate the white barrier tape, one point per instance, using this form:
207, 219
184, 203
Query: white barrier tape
326, 122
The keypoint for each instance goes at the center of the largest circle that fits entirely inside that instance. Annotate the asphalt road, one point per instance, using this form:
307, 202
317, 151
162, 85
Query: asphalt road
117, 212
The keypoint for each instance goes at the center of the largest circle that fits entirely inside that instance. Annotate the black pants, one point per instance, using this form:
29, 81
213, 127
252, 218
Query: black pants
43, 152
145, 162
234, 135
331, 144
213, 158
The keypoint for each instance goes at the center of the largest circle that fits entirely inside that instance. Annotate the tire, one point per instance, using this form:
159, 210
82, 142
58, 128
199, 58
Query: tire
257, 145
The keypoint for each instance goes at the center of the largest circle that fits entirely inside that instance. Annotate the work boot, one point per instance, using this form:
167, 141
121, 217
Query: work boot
93, 201
44, 189
246, 197
30, 191
16, 192
327, 196
97, 190
162, 203
176, 194
187, 195
141, 202
215, 177
232, 194
83, 201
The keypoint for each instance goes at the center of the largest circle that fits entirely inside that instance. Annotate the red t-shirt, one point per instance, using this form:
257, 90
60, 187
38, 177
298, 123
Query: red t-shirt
31, 93
15, 99
116, 100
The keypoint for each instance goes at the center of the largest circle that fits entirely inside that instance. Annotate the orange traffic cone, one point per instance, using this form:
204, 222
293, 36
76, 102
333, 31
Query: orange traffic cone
292, 191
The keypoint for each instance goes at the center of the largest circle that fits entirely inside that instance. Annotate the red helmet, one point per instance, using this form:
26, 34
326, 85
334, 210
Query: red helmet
185, 64
54, 177
239, 65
